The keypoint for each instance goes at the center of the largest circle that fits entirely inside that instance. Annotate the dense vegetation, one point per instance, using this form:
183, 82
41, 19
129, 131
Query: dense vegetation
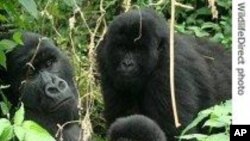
78, 26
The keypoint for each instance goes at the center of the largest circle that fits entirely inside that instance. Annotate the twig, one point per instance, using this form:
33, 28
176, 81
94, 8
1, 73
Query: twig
140, 26
30, 63
4, 87
61, 127
214, 10
172, 82
160, 2
208, 57
184, 6
126, 4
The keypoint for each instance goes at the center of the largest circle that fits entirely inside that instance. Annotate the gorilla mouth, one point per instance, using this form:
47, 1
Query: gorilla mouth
128, 74
60, 104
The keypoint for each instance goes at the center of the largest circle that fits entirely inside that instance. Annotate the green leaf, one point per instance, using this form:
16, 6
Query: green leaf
2, 59
203, 11
4, 108
180, 28
199, 137
202, 115
31, 7
210, 25
34, 132
17, 37
6, 130
3, 18
4, 124
7, 45
218, 37
5, 100
19, 132
213, 122
198, 32
70, 3
218, 137
19, 116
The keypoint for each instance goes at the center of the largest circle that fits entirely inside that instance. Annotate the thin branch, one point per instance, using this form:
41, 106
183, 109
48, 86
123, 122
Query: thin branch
140, 26
4, 87
160, 2
59, 132
30, 63
184, 6
126, 4
172, 82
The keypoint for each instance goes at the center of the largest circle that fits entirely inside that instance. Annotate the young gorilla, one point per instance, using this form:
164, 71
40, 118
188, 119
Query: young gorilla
46, 86
136, 128
133, 61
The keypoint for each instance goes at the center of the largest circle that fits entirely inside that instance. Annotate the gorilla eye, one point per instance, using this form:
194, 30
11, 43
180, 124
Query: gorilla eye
49, 63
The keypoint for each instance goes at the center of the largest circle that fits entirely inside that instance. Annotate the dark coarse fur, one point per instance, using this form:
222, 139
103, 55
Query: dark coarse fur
136, 127
141, 86
48, 92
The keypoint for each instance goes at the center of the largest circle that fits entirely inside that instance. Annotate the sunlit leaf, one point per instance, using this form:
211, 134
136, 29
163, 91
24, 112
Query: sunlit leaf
31, 7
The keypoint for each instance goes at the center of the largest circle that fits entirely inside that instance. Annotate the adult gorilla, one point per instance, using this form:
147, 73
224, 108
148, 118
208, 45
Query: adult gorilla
133, 61
45, 85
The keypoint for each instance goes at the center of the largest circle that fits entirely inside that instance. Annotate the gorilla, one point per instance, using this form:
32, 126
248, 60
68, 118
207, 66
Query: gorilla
45, 86
133, 62
135, 127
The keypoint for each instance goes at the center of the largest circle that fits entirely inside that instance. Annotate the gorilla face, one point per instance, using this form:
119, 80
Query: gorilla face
134, 53
47, 87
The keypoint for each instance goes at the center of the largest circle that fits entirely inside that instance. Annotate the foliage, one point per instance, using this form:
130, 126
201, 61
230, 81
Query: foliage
77, 27
7, 46
24, 130
201, 24
217, 117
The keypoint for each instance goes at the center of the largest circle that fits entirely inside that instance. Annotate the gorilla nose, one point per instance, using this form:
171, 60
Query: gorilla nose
128, 65
56, 86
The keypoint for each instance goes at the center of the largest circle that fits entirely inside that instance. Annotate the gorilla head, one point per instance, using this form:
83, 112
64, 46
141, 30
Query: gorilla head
134, 53
135, 128
45, 86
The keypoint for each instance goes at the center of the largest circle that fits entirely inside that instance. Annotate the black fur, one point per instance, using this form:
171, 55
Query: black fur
135, 128
135, 73
48, 92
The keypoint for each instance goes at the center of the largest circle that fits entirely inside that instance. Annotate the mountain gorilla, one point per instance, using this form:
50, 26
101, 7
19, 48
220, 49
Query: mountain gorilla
133, 61
45, 86
136, 127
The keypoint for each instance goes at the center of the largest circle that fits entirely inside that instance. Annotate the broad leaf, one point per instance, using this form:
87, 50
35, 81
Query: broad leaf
7, 45
4, 108
19, 132
31, 7
6, 130
19, 116
17, 37
2, 59
199, 137
34, 132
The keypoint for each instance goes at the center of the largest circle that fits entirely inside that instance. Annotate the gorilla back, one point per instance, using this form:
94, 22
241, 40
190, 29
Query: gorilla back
41, 77
133, 61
